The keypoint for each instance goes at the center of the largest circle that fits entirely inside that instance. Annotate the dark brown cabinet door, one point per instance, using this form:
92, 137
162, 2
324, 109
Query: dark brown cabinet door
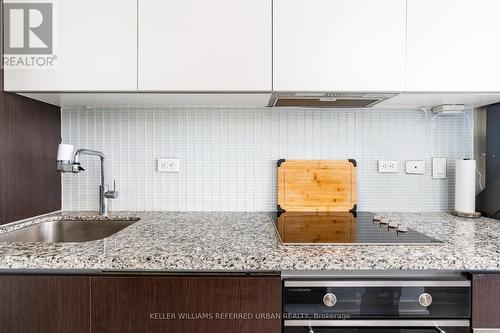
186, 304
486, 301
44, 304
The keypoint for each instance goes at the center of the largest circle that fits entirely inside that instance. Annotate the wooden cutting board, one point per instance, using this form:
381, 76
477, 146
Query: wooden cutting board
316, 185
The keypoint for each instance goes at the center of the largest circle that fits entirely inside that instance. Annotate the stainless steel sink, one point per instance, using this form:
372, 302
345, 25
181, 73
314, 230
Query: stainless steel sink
66, 231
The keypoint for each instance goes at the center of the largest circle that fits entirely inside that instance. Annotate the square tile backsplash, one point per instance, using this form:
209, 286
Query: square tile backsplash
228, 155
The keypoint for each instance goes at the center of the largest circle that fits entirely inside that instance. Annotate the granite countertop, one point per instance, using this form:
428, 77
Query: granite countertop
230, 241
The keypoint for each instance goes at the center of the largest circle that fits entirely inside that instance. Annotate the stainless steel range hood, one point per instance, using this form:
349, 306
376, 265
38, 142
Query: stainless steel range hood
327, 99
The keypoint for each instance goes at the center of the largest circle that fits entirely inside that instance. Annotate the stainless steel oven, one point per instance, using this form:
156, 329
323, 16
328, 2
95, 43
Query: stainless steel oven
377, 305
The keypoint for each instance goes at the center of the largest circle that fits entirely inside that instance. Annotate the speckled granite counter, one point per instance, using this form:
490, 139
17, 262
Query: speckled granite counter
247, 241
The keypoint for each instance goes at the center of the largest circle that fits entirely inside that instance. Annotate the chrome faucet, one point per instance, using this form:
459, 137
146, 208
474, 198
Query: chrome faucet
75, 167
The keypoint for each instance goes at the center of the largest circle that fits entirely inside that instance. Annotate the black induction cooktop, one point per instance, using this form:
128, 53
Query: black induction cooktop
345, 228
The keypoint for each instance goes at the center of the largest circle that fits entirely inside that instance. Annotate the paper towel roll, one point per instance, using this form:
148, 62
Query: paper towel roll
65, 152
465, 186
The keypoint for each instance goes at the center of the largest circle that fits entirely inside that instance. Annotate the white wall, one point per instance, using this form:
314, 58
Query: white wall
228, 155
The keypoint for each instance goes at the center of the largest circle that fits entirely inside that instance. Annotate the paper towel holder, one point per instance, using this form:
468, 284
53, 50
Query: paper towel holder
473, 215
464, 194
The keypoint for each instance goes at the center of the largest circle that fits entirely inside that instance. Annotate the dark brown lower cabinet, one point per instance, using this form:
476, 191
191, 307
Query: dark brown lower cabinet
186, 304
102, 304
486, 301
44, 304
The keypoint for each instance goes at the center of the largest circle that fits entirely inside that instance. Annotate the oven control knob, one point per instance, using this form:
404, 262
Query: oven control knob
329, 299
425, 299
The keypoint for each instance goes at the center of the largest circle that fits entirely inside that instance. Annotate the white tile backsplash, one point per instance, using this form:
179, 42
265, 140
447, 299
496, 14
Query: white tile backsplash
228, 156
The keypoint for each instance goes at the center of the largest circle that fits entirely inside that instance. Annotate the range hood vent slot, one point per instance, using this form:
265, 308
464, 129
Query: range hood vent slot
327, 100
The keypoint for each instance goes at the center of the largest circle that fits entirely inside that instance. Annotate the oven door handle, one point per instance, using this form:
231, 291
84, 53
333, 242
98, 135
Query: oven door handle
432, 324
437, 328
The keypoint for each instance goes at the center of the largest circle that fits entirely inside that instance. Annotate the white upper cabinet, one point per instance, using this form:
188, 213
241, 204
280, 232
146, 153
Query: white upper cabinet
215, 45
348, 45
238, 46
94, 44
453, 45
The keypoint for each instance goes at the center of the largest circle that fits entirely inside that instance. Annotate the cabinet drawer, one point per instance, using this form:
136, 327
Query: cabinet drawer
186, 304
44, 304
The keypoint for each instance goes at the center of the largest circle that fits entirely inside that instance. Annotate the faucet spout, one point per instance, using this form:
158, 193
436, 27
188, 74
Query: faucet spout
76, 161
104, 194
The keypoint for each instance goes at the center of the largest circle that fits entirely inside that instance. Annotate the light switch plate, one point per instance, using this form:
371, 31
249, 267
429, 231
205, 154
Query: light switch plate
168, 165
439, 167
415, 167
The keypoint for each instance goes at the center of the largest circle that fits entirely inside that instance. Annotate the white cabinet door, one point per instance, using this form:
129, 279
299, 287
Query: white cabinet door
95, 44
348, 45
453, 45
196, 45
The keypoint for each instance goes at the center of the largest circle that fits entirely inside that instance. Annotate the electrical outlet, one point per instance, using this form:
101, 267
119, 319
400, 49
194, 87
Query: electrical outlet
415, 167
168, 165
387, 166
439, 167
